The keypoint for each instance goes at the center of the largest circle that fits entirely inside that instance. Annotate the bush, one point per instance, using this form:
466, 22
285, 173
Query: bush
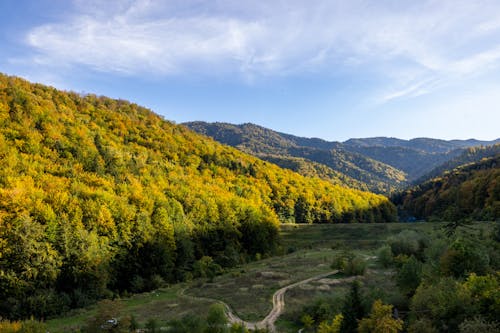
408, 242
385, 256
349, 263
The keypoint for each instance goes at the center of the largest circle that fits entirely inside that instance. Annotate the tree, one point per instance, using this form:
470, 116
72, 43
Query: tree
464, 257
380, 320
445, 303
409, 276
307, 321
352, 310
333, 327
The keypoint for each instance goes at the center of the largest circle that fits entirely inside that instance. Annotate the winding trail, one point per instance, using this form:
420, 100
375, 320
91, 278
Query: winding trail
278, 304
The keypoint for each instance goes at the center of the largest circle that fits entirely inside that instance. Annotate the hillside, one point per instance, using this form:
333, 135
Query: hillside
470, 155
423, 144
380, 164
268, 144
100, 196
471, 191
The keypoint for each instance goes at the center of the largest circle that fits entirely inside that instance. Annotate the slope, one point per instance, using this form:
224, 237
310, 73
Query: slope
101, 196
471, 191
279, 147
470, 155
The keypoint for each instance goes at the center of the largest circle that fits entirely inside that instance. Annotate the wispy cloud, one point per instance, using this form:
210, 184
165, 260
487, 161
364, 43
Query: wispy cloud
432, 42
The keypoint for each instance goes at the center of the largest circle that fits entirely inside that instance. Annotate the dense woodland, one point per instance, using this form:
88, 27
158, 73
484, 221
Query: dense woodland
101, 196
469, 192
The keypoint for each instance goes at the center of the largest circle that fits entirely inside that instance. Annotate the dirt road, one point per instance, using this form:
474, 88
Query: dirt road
278, 304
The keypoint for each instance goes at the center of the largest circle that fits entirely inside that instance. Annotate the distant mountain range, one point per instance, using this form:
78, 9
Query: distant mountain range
379, 164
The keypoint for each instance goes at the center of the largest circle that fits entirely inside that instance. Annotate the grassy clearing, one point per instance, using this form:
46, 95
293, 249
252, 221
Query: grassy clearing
249, 290
162, 304
350, 236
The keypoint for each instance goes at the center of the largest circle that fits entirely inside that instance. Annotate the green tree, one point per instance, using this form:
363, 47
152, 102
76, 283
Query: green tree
464, 257
352, 310
409, 275
445, 303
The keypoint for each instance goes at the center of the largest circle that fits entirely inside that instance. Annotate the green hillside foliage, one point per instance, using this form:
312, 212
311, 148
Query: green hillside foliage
101, 196
358, 171
471, 191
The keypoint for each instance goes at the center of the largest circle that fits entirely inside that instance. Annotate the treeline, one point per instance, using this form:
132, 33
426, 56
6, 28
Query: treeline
470, 192
100, 197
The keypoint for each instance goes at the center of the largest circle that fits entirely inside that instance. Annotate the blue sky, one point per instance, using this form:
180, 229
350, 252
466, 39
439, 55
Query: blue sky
316, 68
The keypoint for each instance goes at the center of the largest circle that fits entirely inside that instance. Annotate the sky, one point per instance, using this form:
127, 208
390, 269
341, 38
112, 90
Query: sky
318, 68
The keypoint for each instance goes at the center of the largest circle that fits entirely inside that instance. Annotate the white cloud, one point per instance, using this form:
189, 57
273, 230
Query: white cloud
416, 46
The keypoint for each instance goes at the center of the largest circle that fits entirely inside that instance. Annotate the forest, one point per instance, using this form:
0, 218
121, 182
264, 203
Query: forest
466, 193
101, 197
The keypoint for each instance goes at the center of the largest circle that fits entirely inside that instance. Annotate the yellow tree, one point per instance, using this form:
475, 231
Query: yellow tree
380, 320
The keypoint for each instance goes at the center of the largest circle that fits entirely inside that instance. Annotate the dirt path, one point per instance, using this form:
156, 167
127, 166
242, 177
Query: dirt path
278, 304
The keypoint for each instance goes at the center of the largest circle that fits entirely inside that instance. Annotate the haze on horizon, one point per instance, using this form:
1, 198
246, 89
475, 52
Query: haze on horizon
329, 69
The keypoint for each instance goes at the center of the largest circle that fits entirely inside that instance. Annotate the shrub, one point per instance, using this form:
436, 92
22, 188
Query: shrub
349, 263
385, 256
408, 242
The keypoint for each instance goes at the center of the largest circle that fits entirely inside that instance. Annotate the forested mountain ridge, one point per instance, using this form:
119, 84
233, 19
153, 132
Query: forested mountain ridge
428, 145
100, 196
381, 164
268, 144
468, 192
470, 155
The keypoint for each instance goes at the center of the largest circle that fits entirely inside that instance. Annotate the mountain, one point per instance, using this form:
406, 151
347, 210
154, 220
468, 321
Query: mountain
471, 191
381, 164
413, 162
347, 167
423, 144
470, 155
100, 196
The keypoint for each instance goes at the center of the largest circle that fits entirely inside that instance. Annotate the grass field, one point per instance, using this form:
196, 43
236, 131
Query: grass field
309, 250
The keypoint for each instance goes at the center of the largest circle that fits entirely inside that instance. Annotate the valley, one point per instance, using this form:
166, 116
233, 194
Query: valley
199, 166
109, 211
